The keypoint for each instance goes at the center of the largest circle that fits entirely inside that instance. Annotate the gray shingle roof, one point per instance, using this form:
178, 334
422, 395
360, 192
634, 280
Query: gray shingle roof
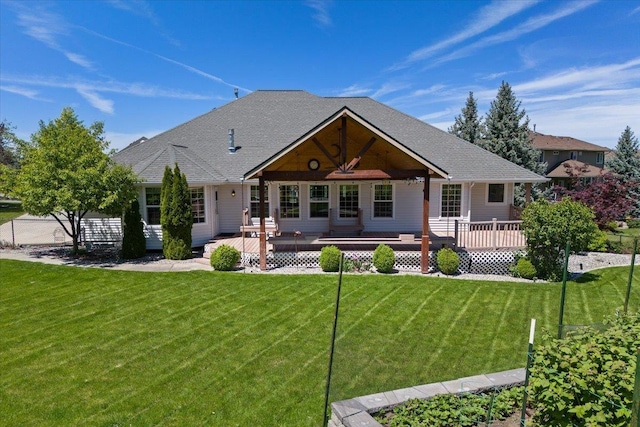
266, 122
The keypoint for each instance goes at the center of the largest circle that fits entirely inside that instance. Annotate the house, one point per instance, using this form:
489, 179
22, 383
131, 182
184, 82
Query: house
313, 162
569, 158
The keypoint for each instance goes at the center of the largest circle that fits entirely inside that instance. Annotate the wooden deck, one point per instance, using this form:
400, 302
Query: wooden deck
289, 242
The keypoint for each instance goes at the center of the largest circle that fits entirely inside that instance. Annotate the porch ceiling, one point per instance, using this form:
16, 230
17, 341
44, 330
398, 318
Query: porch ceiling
345, 146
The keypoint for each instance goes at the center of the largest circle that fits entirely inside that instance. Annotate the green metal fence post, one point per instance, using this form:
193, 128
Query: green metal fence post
635, 411
633, 263
564, 289
523, 414
333, 343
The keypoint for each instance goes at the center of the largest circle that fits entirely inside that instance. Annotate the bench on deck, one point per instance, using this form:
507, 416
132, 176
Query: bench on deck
345, 228
252, 225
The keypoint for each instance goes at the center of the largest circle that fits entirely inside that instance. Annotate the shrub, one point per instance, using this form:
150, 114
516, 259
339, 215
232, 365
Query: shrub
384, 258
330, 258
548, 227
598, 242
633, 223
134, 244
224, 258
587, 378
448, 261
525, 269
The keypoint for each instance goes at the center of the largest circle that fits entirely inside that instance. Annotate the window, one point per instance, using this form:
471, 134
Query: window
574, 155
289, 201
451, 200
383, 201
318, 201
348, 200
495, 193
255, 201
197, 205
599, 158
152, 201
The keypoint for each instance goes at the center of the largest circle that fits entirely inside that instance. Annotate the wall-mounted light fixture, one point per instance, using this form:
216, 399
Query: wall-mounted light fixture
233, 193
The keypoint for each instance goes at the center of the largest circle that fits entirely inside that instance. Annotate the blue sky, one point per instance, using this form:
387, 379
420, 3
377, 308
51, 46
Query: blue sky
143, 67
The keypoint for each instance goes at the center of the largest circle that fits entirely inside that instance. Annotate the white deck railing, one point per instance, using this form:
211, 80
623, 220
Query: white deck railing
489, 234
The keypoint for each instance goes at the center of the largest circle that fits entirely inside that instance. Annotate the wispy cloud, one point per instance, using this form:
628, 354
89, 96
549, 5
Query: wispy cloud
388, 88
487, 17
98, 102
22, 91
321, 8
530, 25
143, 9
634, 11
48, 28
355, 90
94, 91
588, 78
164, 58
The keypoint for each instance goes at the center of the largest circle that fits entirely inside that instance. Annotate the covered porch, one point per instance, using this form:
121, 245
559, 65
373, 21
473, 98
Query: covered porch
333, 158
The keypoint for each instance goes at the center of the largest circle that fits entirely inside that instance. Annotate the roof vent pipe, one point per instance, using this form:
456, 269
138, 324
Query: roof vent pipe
232, 146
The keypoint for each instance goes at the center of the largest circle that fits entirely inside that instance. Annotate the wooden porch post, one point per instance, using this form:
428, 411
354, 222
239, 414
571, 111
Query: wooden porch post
527, 193
262, 234
424, 257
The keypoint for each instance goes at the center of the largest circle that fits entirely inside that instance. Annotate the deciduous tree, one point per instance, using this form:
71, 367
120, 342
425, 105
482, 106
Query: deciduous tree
67, 173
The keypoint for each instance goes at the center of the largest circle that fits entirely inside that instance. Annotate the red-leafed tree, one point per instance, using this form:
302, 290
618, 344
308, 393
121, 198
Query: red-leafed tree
609, 196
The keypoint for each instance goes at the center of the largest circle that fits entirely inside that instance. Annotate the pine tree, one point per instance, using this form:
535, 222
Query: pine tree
176, 216
467, 125
133, 240
626, 159
626, 164
507, 134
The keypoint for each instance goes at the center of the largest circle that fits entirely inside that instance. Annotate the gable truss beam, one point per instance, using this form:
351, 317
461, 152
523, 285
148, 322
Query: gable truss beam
352, 164
354, 175
325, 152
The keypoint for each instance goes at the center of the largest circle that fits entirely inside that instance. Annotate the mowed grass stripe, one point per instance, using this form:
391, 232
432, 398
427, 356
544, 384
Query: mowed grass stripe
272, 374
45, 344
197, 353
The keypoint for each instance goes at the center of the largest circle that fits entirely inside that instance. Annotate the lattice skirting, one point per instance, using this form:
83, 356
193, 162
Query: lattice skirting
489, 262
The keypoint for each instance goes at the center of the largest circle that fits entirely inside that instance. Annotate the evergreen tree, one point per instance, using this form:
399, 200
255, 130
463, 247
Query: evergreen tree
507, 134
176, 216
467, 125
133, 241
626, 160
626, 164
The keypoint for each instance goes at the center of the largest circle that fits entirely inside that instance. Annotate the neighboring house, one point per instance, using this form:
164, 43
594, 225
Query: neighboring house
321, 162
569, 158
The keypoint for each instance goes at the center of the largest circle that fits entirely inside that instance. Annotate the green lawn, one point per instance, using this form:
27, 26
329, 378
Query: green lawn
624, 238
10, 210
96, 347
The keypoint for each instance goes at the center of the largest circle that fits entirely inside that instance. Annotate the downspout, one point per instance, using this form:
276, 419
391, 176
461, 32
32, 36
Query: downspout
469, 206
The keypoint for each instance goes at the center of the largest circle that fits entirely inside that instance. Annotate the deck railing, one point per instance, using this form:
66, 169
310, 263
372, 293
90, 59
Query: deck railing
492, 234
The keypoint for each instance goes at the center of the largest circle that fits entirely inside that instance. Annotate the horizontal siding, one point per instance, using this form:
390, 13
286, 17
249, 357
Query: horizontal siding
101, 229
482, 211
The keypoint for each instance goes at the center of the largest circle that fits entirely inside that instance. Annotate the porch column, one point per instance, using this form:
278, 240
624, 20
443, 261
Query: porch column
527, 193
262, 234
424, 256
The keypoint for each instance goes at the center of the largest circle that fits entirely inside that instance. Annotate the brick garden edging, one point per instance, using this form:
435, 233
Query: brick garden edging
356, 412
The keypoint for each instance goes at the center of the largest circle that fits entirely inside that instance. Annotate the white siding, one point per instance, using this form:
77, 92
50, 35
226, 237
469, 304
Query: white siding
483, 211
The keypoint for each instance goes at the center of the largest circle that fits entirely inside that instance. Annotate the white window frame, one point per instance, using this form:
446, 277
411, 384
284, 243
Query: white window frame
147, 206
374, 201
574, 155
310, 200
442, 199
340, 218
267, 205
282, 211
599, 158
203, 208
504, 194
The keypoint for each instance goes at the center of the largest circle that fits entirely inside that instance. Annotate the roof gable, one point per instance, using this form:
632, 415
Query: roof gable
267, 122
